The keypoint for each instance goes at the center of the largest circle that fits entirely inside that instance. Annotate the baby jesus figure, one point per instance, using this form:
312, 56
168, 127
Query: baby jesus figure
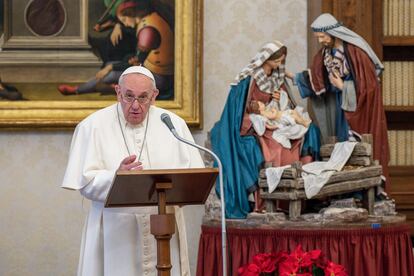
287, 124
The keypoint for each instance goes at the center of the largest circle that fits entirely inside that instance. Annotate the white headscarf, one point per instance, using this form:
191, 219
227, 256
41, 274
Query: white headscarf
254, 69
326, 23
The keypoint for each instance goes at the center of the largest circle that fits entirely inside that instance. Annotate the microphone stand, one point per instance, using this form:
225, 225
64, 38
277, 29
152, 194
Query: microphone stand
223, 207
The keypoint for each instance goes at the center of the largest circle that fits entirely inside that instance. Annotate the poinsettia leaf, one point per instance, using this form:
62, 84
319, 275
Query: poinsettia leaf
298, 262
335, 269
317, 271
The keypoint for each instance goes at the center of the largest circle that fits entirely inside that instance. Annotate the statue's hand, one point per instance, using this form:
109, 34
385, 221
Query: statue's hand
290, 75
336, 80
276, 95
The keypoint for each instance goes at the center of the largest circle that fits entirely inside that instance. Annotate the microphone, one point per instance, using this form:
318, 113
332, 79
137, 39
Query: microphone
167, 121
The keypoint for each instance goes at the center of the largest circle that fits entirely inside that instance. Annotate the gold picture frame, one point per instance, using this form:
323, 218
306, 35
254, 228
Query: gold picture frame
187, 102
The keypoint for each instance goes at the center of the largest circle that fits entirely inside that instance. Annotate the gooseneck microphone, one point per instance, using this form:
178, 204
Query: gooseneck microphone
167, 121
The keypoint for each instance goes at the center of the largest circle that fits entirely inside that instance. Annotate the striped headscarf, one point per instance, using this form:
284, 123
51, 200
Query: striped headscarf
327, 23
254, 69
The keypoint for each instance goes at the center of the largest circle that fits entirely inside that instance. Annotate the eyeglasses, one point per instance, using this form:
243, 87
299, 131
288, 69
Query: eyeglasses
142, 99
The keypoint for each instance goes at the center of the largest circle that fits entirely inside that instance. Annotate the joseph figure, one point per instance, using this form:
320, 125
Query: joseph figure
343, 87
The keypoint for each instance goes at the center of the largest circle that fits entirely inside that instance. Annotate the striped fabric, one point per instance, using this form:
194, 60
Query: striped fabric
254, 69
335, 62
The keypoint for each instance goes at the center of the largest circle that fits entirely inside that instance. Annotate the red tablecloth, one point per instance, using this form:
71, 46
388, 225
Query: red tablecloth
386, 251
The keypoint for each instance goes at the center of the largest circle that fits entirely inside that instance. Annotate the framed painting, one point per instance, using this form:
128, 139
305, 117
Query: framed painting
60, 59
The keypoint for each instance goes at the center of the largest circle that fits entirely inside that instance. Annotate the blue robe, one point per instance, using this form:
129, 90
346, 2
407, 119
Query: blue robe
241, 156
326, 107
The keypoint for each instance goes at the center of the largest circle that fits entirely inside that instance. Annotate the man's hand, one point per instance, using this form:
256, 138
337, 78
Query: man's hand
128, 164
116, 34
97, 28
103, 72
336, 80
134, 61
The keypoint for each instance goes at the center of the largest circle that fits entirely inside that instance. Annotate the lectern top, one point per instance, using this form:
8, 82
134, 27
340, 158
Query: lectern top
137, 188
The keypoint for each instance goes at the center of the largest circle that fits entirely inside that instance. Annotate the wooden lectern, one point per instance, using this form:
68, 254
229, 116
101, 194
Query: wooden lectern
162, 188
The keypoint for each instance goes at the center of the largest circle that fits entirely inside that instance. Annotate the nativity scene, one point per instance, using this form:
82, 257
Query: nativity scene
287, 169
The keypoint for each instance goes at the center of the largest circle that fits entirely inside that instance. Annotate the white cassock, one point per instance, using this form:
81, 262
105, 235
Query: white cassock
117, 241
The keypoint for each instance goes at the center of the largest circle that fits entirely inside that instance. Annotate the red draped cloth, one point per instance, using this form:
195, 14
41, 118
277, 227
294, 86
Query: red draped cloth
386, 251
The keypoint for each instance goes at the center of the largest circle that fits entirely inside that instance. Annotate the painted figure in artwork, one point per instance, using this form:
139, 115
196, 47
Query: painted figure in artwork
10, 93
120, 41
153, 38
343, 87
235, 138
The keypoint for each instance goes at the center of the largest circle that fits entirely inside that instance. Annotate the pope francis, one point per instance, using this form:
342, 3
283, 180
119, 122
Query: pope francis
128, 135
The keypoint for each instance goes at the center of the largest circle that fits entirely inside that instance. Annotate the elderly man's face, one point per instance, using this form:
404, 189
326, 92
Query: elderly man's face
136, 93
325, 39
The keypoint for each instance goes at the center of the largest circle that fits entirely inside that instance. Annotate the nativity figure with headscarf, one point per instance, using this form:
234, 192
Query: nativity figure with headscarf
343, 87
233, 138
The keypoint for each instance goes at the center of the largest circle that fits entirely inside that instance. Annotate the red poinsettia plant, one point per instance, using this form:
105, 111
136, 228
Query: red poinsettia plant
297, 263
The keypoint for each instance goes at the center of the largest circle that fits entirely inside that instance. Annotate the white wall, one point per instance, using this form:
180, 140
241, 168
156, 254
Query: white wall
41, 224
